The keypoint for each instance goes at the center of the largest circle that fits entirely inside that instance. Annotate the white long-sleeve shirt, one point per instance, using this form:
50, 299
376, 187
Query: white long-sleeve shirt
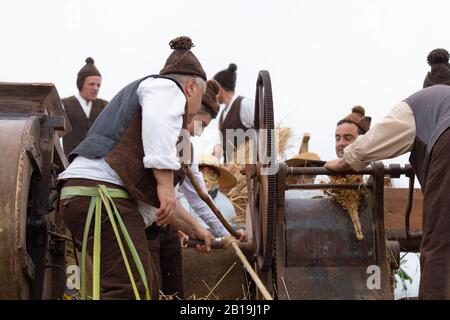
390, 138
163, 106
199, 206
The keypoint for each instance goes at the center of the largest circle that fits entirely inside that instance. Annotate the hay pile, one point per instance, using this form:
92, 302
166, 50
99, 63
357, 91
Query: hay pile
348, 199
238, 194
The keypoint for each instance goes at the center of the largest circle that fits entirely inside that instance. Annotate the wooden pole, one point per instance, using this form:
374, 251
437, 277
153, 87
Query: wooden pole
205, 197
230, 241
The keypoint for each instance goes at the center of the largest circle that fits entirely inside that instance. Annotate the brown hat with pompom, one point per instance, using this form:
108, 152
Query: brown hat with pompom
209, 99
358, 118
440, 68
88, 70
227, 78
182, 60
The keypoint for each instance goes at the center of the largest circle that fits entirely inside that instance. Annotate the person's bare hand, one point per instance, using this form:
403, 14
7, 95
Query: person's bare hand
203, 234
337, 165
242, 235
167, 200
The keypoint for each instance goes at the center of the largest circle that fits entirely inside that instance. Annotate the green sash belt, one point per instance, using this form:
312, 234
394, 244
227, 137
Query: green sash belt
102, 195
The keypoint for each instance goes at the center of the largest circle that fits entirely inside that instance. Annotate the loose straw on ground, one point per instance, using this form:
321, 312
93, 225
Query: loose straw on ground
229, 241
210, 290
223, 277
285, 288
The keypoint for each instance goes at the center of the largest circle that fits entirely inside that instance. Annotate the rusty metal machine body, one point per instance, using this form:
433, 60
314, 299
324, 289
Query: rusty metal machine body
304, 245
322, 252
32, 253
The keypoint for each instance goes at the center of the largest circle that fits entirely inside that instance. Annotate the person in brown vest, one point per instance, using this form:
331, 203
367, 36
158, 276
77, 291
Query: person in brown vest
84, 107
420, 124
349, 128
208, 112
238, 112
163, 242
121, 176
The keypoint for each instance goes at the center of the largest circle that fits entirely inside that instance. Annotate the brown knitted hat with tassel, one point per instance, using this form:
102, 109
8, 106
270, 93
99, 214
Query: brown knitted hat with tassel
358, 118
209, 99
182, 60
440, 68
88, 70
227, 78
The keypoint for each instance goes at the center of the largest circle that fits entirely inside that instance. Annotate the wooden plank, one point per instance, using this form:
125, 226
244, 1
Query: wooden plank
32, 99
395, 203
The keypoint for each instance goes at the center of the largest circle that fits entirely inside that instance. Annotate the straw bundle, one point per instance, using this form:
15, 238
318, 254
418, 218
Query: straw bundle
348, 199
238, 194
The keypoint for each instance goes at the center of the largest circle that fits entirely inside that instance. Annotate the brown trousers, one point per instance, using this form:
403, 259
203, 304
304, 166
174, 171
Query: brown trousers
166, 254
435, 247
114, 280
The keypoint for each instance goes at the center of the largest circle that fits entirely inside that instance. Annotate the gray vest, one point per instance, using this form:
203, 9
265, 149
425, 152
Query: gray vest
109, 126
431, 110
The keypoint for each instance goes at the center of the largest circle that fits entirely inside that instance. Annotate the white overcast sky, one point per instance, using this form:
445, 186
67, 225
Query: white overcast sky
323, 56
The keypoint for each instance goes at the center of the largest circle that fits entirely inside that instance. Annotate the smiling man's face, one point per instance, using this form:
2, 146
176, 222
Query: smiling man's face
346, 134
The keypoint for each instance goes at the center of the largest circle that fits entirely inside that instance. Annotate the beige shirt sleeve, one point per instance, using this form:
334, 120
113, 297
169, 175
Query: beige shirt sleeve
388, 139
